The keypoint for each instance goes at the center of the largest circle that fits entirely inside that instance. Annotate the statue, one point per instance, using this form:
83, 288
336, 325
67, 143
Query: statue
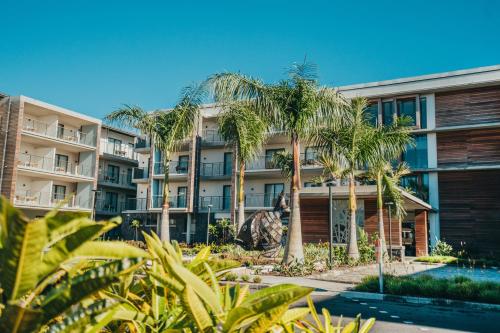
263, 230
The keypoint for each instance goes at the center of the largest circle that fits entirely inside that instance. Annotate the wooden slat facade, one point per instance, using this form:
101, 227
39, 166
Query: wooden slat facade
371, 223
314, 216
468, 148
470, 210
467, 107
421, 232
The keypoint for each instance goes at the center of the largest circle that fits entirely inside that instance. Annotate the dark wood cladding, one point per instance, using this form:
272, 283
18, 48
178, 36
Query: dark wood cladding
421, 239
470, 210
468, 148
314, 216
467, 107
371, 223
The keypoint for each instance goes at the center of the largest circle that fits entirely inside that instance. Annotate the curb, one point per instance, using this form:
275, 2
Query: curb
421, 300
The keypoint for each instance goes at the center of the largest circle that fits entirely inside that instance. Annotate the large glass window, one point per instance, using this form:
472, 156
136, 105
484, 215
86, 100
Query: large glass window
62, 162
416, 156
226, 197
371, 114
113, 174
269, 157
387, 113
58, 193
418, 184
228, 163
111, 201
181, 196
423, 112
271, 193
183, 164
408, 108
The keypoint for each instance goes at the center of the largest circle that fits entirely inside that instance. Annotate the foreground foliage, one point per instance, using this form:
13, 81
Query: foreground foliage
458, 288
55, 276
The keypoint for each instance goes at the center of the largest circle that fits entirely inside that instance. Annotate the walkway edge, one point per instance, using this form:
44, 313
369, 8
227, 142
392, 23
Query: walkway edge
420, 300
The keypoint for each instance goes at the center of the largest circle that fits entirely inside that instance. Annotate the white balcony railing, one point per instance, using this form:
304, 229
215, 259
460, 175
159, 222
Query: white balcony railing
52, 165
75, 136
121, 150
49, 200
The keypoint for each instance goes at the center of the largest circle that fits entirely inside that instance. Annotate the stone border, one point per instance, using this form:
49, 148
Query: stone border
421, 300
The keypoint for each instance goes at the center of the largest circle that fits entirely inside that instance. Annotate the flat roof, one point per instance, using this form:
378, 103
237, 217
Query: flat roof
119, 130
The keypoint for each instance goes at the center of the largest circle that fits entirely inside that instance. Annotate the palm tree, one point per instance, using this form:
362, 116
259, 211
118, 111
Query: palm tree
350, 146
166, 129
295, 106
245, 130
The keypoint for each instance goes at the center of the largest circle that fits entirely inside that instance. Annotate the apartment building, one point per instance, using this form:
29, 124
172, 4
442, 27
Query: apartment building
49, 156
117, 160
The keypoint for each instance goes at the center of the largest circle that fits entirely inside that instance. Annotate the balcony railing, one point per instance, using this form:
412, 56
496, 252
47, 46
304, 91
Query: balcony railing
217, 203
136, 204
47, 199
217, 169
175, 167
212, 136
141, 143
53, 165
120, 150
266, 162
104, 206
140, 173
121, 179
174, 201
267, 200
76, 136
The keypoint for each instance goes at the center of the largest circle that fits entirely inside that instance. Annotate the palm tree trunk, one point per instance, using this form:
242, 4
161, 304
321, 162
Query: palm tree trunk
352, 245
294, 251
241, 196
380, 213
165, 216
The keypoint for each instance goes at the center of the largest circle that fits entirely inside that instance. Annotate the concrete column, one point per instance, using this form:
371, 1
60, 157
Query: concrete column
188, 228
434, 227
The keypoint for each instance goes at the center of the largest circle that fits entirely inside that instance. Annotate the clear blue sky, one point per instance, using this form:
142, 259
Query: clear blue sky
92, 56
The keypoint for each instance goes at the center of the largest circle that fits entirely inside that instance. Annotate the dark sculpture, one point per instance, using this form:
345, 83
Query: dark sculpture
263, 230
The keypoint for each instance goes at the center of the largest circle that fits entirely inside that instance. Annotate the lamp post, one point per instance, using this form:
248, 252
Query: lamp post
94, 201
389, 204
208, 222
330, 222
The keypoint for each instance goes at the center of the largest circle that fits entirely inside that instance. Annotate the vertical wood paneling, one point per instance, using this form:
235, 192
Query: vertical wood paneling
314, 216
421, 238
371, 223
467, 107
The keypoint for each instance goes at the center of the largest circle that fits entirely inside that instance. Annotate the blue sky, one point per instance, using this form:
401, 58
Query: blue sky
92, 56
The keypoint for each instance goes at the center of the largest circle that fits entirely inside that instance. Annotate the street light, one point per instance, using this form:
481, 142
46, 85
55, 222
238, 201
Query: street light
208, 221
94, 201
389, 204
330, 184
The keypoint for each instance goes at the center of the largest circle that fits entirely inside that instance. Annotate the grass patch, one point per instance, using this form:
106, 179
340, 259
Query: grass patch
458, 288
438, 259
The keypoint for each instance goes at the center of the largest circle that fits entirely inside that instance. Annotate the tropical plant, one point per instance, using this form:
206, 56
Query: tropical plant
294, 106
245, 131
442, 249
167, 130
346, 149
51, 267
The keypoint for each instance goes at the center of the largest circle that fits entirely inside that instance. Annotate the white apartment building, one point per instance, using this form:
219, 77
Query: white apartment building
49, 156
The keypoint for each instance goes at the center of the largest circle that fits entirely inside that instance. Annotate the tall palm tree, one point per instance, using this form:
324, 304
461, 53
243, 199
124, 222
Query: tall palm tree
393, 140
295, 106
166, 129
350, 146
245, 130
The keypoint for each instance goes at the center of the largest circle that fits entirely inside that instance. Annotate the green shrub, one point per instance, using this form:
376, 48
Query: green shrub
435, 259
231, 277
257, 279
442, 249
245, 278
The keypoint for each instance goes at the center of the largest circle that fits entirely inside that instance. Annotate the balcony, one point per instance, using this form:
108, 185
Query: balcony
55, 166
61, 133
35, 199
262, 200
139, 174
218, 203
212, 137
174, 201
105, 207
175, 168
122, 151
139, 204
121, 180
142, 144
215, 170
266, 162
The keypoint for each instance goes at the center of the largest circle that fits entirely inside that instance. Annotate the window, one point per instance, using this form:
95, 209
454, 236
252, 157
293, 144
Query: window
111, 201
312, 184
423, 112
408, 108
371, 114
416, 156
61, 163
129, 176
226, 197
271, 193
269, 157
311, 155
387, 113
182, 167
418, 184
58, 192
114, 146
228, 163
113, 175
181, 196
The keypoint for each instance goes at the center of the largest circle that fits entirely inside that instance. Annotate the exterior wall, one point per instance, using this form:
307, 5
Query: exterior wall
371, 223
314, 215
469, 209
421, 232
468, 107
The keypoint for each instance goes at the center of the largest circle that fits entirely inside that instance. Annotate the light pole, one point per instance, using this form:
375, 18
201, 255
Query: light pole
389, 204
330, 222
94, 201
208, 222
